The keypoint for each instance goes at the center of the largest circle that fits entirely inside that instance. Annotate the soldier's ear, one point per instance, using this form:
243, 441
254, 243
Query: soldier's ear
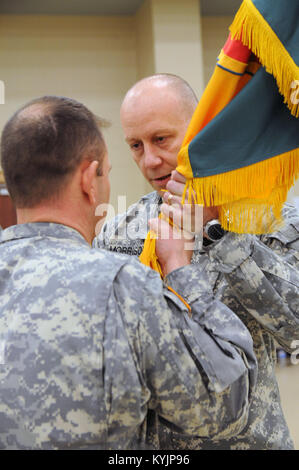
88, 180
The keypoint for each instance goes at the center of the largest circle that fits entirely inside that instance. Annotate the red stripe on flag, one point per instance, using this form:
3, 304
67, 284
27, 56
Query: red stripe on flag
236, 50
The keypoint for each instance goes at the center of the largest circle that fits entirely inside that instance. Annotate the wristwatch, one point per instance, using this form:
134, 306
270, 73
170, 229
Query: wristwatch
213, 230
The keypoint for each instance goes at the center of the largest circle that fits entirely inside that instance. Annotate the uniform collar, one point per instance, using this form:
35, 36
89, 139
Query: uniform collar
41, 229
158, 199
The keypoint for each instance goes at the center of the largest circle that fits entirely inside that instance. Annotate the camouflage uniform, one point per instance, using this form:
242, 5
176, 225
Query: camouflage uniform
257, 283
96, 348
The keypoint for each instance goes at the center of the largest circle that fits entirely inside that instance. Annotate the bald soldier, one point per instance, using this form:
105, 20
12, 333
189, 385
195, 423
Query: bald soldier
94, 348
257, 277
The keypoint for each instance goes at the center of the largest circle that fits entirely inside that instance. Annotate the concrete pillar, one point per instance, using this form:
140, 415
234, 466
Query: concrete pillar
168, 39
177, 40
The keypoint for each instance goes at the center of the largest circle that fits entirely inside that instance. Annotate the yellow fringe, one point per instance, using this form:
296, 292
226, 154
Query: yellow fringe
148, 256
251, 28
250, 198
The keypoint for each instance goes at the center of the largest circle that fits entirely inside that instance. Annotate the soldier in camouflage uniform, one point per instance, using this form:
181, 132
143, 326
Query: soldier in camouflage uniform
94, 346
256, 277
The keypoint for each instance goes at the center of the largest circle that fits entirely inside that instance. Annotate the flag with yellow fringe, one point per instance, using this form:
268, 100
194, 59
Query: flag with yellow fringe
241, 149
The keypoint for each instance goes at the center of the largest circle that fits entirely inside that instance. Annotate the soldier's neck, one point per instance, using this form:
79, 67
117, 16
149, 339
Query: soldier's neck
57, 216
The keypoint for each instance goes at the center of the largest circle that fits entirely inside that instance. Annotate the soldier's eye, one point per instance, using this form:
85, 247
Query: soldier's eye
135, 146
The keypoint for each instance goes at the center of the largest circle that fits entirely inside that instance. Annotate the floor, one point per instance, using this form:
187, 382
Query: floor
288, 381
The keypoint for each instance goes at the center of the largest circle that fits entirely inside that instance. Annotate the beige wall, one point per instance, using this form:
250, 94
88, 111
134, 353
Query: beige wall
91, 59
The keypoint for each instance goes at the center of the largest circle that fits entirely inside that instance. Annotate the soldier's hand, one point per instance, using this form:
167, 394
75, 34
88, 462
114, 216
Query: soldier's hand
194, 217
174, 248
